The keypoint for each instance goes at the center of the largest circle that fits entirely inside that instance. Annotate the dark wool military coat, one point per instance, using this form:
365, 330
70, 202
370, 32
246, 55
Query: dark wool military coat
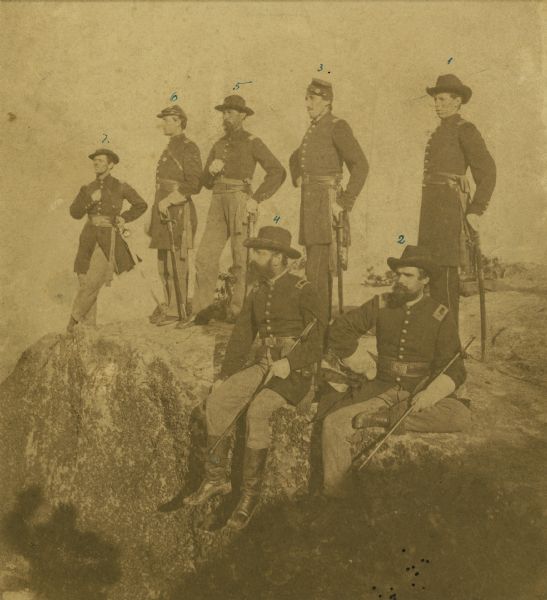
279, 308
454, 146
240, 152
113, 193
179, 169
425, 332
328, 144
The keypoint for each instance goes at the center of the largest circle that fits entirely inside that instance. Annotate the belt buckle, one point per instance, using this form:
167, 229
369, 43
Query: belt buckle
399, 368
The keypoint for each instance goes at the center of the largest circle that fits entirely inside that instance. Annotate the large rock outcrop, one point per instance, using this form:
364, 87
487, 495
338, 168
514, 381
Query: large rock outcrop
99, 429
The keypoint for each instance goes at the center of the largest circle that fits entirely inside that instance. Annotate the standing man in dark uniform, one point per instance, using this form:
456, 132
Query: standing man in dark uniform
178, 176
102, 251
416, 337
279, 306
317, 167
447, 207
228, 172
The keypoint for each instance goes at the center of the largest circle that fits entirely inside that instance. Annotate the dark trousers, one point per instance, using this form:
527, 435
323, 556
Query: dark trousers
318, 273
446, 289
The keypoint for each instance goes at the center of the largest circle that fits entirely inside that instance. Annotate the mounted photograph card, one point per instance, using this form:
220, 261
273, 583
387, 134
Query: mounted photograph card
274, 290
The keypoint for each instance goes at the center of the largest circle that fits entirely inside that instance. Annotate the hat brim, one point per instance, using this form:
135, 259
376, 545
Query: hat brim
427, 265
262, 244
241, 109
463, 91
115, 158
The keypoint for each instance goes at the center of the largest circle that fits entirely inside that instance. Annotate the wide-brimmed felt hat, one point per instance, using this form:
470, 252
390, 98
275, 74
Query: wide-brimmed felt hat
273, 238
106, 152
320, 87
414, 256
451, 84
172, 111
235, 102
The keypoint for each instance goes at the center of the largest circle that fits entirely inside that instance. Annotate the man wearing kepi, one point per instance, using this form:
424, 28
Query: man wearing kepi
102, 251
447, 209
228, 172
279, 308
178, 176
317, 166
416, 337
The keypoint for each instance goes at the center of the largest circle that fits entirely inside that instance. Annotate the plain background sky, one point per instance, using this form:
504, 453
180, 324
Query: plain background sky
75, 72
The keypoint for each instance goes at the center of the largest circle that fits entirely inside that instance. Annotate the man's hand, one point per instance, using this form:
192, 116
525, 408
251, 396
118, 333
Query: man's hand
216, 166
164, 205
251, 206
120, 223
474, 220
336, 210
281, 368
423, 400
96, 196
299, 182
217, 384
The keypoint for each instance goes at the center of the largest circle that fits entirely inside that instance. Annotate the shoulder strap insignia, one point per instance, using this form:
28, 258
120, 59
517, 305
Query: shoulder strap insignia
251, 137
335, 119
301, 283
382, 301
441, 312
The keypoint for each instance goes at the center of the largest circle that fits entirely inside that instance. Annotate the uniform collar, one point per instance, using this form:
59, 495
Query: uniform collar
105, 180
237, 135
177, 136
273, 280
414, 302
449, 121
322, 117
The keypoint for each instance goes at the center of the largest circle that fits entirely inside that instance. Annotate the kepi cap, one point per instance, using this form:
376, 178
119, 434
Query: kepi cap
106, 152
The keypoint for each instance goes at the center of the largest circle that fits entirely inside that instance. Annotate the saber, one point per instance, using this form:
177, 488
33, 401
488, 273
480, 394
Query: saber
339, 228
421, 386
251, 220
181, 305
475, 237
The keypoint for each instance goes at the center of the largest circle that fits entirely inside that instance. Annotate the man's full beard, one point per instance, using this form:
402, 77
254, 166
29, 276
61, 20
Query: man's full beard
265, 271
228, 127
400, 295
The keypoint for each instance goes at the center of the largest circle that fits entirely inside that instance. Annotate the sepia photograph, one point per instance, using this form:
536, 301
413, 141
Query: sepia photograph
274, 300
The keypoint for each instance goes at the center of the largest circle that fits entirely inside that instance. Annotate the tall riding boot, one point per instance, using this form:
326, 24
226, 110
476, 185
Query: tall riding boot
216, 480
253, 471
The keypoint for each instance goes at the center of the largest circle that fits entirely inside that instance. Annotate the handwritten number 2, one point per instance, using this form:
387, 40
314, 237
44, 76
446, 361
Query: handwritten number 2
401, 239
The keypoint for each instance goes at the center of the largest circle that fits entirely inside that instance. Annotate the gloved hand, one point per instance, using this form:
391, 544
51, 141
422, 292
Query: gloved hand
216, 166
96, 196
163, 206
441, 387
281, 368
474, 220
251, 206
336, 210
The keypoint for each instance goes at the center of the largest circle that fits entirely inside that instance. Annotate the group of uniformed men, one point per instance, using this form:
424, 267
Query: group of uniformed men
416, 333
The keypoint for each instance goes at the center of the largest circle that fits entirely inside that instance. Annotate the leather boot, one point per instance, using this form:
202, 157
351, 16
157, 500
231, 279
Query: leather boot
216, 480
253, 471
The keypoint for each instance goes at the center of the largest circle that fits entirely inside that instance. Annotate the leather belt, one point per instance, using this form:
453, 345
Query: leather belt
273, 341
321, 179
169, 185
226, 184
100, 221
442, 178
398, 368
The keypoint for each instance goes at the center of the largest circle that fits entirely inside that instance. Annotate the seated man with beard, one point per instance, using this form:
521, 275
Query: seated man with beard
416, 337
277, 309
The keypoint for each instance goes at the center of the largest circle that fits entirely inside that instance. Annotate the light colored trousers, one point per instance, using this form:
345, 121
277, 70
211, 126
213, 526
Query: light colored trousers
227, 400
226, 220
447, 416
165, 270
84, 307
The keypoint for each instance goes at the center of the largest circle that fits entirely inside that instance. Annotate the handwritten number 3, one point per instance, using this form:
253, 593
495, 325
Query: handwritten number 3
320, 67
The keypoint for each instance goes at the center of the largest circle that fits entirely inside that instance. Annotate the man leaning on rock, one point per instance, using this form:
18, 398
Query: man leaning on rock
416, 337
102, 250
278, 308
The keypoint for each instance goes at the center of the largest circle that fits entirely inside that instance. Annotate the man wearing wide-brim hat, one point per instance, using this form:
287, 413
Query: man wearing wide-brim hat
449, 214
278, 308
228, 172
415, 337
101, 251
316, 166
178, 177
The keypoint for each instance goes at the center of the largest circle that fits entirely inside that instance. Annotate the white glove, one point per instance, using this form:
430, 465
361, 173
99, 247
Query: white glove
439, 388
251, 206
281, 368
474, 220
336, 210
164, 205
216, 166
96, 196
